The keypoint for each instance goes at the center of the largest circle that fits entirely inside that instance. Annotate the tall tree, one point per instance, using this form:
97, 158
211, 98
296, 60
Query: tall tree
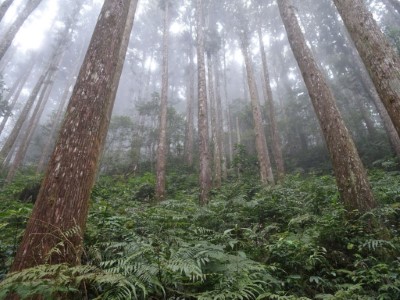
276, 140
205, 169
220, 118
30, 6
261, 144
162, 138
189, 132
63, 199
214, 124
4, 7
350, 175
381, 60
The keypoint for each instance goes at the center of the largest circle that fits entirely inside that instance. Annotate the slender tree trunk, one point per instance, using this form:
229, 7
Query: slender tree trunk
238, 134
261, 144
205, 169
59, 216
189, 136
162, 139
15, 95
220, 119
350, 175
5, 150
214, 134
276, 140
380, 59
228, 110
4, 7
30, 130
366, 117
30, 6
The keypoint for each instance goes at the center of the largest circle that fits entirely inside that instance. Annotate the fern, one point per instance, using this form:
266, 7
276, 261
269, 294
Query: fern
50, 280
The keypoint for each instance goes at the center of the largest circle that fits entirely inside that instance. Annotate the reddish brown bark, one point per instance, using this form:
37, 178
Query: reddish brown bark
205, 169
350, 175
59, 216
380, 59
162, 138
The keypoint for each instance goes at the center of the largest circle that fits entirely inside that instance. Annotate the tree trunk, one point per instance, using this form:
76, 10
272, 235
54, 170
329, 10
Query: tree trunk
238, 134
350, 175
189, 136
4, 7
30, 130
380, 59
54, 129
366, 81
205, 170
59, 116
214, 125
220, 120
55, 230
276, 140
162, 138
15, 93
30, 6
261, 144
228, 110
5, 150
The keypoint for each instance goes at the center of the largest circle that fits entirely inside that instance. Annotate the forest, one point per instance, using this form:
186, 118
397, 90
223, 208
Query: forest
200, 149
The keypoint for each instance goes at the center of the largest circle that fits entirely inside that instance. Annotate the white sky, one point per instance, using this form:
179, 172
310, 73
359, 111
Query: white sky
32, 34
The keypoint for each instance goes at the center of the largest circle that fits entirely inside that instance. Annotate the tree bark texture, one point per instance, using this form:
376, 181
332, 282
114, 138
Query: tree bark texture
380, 59
4, 7
205, 169
162, 137
266, 174
55, 229
214, 132
350, 175
30, 6
276, 140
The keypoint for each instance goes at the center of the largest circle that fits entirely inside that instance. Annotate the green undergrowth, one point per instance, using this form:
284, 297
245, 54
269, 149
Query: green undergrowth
291, 241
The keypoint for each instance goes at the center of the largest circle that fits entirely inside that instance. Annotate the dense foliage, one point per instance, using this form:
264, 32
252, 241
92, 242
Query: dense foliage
292, 241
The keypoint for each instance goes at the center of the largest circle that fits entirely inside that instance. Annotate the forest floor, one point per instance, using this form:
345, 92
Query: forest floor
291, 241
